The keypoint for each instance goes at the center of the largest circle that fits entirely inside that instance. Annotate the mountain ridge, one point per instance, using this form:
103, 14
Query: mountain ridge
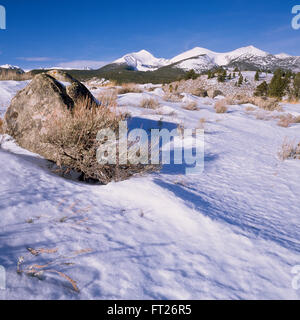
202, 59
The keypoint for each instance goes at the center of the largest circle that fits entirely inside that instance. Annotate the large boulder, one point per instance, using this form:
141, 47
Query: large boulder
25, 119
75, 89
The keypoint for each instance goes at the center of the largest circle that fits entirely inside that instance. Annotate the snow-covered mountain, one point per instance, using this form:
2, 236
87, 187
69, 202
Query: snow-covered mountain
142, 61
246, 57
10, 67
201, 59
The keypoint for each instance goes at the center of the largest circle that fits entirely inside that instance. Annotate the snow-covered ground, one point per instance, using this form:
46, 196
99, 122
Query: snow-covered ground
230, 233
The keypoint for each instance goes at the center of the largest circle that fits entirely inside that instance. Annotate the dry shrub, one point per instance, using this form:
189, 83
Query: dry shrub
1, 126
250, 109
129, 88
1, 132
202, 122
199, 92
242, 98
110, 83
191, 106
269, 104
291, 100
231, 100
289, 150
286, 120
108, 98
263, 115
173, 97
221, 106
149, 103
53, 265
73, 134
297, 119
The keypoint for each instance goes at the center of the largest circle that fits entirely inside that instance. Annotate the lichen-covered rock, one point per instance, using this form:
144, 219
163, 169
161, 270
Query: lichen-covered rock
27, 115
75, 89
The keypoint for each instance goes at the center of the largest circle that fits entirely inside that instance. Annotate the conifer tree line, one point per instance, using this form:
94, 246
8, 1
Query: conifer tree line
283, 83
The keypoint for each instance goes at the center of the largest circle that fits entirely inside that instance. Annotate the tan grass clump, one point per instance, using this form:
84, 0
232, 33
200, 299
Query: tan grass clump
149, 103
173, 97
221, 106
250, 109
129, 88
108, 98
286, 120
289, 150
73, 135
202, 122
297, 119
199, 92
1, 126
191, 106
269, 104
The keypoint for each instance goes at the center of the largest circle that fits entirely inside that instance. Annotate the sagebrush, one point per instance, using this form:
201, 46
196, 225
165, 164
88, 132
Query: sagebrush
73, 135
221, 106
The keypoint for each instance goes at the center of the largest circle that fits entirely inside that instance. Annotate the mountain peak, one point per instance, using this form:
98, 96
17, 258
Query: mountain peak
250, 50
282, 55
201, 59
142, 61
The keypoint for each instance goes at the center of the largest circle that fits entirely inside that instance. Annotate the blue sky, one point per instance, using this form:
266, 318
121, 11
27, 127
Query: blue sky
43, 33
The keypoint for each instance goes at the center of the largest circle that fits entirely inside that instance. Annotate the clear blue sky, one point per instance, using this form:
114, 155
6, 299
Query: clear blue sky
54, 32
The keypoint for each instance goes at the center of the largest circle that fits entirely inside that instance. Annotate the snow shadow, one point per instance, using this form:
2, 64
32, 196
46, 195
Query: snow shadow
247, 224
148, 125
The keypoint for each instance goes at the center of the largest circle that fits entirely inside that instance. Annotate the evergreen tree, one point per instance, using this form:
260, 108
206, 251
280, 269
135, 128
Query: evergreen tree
256, 78
222, 76
279, 84
191, 75
296, 85
241, 79
262, 90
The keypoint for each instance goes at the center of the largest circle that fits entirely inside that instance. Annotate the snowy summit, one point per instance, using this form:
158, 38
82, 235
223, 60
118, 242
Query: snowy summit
142, 61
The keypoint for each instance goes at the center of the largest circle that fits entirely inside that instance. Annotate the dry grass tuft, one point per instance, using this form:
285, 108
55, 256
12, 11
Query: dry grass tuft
1, 132
269, 104
297, 119
286, 120
73, 136
52, 266
221, 106
173, 97
289, 150
199, 92
191, 106
129, 88
202, 122
149, 103
108, 98
250, 109
1, 126
263, 115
